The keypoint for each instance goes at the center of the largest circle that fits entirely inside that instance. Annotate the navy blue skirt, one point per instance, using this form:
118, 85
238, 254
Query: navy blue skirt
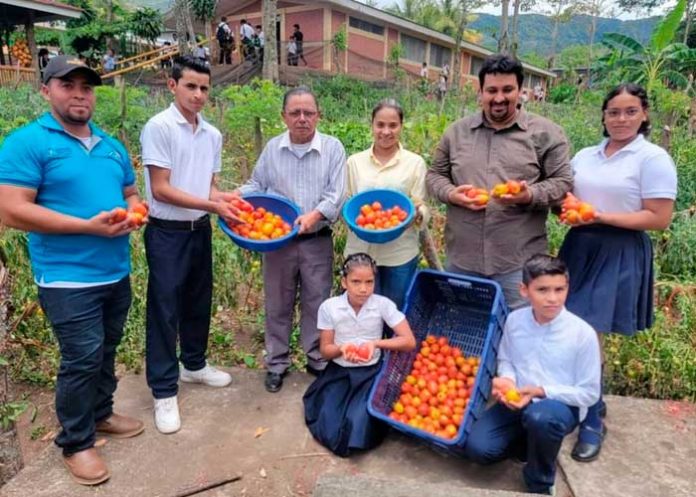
611, 277
336, 409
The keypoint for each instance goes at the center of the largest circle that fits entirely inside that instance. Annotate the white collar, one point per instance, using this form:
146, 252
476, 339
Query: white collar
633, 146
180, 119
315, 144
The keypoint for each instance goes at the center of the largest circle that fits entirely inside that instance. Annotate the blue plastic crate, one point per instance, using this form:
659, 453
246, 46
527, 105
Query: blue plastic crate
471, 313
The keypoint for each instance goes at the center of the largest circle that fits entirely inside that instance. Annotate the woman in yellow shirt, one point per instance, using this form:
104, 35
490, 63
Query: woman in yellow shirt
386, 164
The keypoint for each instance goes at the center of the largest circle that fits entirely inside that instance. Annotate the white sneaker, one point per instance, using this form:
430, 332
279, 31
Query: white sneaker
167, 418
208, 376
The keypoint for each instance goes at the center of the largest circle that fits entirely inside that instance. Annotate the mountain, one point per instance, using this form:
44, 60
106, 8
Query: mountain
535, 31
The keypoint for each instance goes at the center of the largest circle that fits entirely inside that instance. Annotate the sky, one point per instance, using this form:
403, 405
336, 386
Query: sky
621, 15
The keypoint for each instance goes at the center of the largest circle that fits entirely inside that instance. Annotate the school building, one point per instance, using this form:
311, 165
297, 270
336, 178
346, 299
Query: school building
371, 34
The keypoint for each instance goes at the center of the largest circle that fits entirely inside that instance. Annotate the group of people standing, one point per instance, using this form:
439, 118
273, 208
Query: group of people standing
253, 41
64, 193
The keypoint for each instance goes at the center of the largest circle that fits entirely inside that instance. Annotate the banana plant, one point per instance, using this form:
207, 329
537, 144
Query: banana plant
660, 60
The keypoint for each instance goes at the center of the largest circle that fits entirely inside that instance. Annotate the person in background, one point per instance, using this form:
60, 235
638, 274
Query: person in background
246, 35
109, 61
260, 42
298, 37
292, 52
225, 41
43, 60
632, 185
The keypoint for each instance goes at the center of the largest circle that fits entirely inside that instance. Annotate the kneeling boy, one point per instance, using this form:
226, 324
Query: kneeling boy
548, 375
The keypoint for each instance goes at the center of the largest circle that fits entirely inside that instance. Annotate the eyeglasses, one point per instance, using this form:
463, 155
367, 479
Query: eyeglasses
309, 114
617, 113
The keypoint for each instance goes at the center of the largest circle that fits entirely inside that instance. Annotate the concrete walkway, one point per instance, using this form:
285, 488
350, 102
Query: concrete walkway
649, 453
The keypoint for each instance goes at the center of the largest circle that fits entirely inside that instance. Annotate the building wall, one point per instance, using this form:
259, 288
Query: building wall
367, 52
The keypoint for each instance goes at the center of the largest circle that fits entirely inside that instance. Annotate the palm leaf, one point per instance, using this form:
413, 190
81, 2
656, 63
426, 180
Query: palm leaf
677, 79
623, 42
665, 31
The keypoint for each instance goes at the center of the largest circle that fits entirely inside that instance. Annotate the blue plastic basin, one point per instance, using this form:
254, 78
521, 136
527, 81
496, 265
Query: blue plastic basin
388, 199
276, 204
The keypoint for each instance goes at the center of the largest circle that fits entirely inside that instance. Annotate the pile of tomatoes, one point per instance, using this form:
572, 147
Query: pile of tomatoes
373, 217
259, 223
436, 392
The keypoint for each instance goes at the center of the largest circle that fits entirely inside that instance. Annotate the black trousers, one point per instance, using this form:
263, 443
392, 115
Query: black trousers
179, 297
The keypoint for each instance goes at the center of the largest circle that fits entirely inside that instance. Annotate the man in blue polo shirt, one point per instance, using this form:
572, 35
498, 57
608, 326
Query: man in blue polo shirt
62, 179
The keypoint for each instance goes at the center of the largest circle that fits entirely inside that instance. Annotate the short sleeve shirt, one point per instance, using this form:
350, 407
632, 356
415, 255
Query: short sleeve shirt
640, 170
168, 141
74, 181
338, 315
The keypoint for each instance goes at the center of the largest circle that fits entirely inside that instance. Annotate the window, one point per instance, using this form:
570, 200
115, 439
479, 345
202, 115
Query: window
414, 48
366, 26
439, 56
476, 64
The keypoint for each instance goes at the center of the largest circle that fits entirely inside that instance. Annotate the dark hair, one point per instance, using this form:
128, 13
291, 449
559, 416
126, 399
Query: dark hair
43, 51
388, 103
188, 62
296, 26
258, 26
223, 19
243, 21
542, 265
501, 64
359, 259
632, 89
300, 90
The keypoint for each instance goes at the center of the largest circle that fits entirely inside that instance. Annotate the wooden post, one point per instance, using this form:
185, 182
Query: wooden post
124, 112
429, 250
258, 136
31, 43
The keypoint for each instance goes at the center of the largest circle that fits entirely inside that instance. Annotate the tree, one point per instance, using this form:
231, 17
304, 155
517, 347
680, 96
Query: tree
649, 5
561, 13
518, 5
464, 17
503, 35
146, 23
185, 36
594, 9
204, 10
660, 60
270, 51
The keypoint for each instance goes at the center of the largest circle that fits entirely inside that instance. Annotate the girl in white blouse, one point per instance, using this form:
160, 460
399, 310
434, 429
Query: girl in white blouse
632, 184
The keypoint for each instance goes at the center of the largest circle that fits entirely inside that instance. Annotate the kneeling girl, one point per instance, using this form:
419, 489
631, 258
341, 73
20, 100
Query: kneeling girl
351, 339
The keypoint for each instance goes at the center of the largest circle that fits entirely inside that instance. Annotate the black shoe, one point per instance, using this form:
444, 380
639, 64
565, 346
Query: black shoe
314, 371
588, 452
273, 382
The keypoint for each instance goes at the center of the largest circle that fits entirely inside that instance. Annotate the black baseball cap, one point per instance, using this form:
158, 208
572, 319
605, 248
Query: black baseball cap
63, 65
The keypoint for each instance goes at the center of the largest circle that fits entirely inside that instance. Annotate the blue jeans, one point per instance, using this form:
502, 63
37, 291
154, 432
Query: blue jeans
88, 324
542, 425
392, 281
509, 283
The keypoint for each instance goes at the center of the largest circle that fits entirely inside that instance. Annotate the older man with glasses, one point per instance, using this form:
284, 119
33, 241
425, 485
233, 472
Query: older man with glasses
308, 168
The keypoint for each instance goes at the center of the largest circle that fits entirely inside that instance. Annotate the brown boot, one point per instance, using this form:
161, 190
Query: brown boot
87, 467
120, 426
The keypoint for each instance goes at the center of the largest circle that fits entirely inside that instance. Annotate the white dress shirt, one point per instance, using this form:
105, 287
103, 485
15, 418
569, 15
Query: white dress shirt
313, 179
640, 170
561, 356
168, 141
338, 315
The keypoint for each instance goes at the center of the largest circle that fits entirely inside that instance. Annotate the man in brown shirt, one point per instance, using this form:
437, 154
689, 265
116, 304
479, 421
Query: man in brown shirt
502, 142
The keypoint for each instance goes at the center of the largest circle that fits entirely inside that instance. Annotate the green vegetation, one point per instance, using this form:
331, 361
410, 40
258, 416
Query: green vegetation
658, 363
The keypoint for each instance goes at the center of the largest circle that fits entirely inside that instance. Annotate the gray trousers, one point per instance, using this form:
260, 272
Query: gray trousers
306, 265
509, 282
